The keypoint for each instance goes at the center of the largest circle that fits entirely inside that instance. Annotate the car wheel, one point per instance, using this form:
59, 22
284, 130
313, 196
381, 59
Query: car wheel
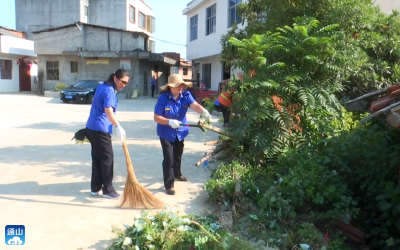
65, 101
90, 99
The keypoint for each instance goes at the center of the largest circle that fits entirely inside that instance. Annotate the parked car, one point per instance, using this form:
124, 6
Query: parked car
82, 91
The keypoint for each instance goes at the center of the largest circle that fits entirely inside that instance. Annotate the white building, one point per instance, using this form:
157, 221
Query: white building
388, 5
207, 21
18, 70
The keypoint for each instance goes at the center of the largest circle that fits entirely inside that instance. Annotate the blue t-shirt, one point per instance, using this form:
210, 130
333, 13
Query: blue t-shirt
105, 97
170, 108
216, 102
153, 81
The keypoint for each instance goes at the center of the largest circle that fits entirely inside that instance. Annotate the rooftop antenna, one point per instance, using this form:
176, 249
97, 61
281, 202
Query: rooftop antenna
76, 23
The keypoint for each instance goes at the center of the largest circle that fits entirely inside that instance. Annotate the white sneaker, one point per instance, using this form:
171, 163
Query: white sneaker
96, 193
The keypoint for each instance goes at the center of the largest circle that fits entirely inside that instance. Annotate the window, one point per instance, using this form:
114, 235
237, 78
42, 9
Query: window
142, 20
185, 71
193, 28
74, 67
85, 14
152, 46
207, 75
132, 14
233, 16
150, 24
211, 19
52, 71
6, 69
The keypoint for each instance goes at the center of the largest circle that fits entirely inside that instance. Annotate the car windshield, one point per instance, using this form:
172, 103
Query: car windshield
86, 84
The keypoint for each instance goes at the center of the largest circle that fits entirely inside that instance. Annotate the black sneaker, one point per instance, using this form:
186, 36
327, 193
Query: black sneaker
112, 195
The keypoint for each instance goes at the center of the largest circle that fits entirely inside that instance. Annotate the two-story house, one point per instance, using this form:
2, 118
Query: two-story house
207, 21
132, 15
89, 39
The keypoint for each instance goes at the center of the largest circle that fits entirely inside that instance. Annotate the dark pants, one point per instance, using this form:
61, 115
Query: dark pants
153, 87
102, 161
172, 152
226, 113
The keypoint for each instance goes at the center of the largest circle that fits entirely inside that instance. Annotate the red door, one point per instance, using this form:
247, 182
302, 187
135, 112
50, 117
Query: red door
24, 76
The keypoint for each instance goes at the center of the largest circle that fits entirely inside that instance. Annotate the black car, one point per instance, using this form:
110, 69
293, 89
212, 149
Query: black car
82, 91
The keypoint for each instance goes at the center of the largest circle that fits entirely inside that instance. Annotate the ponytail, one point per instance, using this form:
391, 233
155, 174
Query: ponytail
119, 74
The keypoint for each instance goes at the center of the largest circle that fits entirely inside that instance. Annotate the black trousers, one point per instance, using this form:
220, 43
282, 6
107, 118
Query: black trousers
226, 113
102, 161
171, 164
153, 87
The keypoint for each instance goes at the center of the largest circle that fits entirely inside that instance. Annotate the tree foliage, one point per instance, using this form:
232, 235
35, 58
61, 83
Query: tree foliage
285, 99
369, 41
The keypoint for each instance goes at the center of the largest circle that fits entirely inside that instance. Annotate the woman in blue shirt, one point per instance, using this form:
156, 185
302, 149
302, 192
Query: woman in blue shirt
169, 113
99, 130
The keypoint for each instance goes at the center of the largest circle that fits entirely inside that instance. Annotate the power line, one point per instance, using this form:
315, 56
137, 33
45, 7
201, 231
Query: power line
184, 45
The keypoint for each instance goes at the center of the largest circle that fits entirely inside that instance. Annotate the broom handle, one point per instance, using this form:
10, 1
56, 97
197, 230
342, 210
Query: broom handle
127, 157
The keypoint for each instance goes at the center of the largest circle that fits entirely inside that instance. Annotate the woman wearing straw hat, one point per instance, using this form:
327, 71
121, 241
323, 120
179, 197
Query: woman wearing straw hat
169, 113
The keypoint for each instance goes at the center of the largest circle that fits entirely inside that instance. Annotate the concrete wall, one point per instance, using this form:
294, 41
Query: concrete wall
100, 72
90, 39
109, 13
34, 15
86, 71
388, 5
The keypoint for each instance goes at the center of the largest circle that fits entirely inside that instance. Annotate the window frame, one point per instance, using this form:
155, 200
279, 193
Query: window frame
53, 69
206, 80
134, 13
144, 20
86, 13
77, 67
6, 69
191, 27
185, 73
236, 15
209, 20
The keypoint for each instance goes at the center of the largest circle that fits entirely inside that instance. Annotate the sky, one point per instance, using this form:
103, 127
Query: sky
170, 23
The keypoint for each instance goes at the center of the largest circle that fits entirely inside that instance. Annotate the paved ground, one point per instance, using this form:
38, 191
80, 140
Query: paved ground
45, 177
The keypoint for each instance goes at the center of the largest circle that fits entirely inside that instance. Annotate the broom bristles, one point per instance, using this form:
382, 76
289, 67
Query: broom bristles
135, 195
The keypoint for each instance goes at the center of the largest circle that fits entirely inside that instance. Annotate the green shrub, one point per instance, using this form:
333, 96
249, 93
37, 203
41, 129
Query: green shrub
208, 103
167, 230
60, 86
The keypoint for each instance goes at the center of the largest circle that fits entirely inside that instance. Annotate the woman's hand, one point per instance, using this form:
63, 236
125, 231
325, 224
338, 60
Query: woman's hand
174, 123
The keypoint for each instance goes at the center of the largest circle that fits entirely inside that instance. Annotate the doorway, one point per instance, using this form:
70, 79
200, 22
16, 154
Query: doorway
24, 76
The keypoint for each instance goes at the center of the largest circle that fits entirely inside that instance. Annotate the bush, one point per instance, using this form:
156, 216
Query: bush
352, 175
60, 86
167, 230
208, 103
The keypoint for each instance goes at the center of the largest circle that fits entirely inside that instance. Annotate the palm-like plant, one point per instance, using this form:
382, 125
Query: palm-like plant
285, 95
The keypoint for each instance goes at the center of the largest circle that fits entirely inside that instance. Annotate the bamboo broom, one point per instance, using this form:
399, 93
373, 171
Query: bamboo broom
135, 195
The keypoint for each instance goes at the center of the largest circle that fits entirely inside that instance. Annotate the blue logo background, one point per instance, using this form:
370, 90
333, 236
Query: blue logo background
15, 235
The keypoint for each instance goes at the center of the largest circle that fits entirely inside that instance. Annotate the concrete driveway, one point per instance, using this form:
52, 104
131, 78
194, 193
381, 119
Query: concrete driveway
45, 177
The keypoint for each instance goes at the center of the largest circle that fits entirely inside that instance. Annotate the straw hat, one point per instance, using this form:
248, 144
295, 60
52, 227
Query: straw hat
174, 81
